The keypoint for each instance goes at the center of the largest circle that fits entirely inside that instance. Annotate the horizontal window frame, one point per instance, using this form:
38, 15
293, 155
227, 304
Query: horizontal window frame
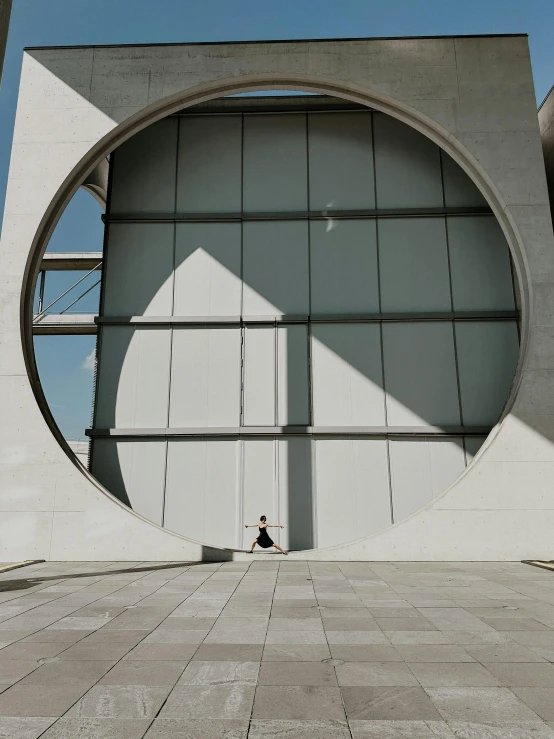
304, 215
381, 432
508, 315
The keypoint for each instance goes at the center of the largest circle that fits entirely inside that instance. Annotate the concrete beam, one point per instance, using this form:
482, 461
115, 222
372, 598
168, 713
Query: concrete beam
67, 323
60, 261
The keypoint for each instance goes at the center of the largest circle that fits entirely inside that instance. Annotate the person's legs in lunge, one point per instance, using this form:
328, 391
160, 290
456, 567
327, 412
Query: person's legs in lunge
252, 547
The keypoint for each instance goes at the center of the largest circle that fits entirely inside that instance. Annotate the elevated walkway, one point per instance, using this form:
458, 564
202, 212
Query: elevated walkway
66, 323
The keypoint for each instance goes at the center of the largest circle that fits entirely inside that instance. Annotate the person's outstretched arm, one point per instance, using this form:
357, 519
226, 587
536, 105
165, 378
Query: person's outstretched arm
274, 526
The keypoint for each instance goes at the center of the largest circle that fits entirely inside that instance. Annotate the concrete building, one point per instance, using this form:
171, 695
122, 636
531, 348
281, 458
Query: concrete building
334, 309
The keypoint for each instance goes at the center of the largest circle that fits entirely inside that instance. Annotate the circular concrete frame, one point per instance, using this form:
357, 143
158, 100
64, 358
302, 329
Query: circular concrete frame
254, 83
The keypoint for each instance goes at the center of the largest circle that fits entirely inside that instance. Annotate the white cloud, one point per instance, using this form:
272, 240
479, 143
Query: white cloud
90, 361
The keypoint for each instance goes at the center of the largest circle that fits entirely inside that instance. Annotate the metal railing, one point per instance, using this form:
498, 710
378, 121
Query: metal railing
42, 311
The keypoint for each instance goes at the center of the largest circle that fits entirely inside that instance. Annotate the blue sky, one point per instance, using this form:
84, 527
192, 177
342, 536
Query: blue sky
65, 372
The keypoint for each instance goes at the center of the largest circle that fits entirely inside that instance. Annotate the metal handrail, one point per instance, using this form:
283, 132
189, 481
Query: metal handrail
80, 296
39, 315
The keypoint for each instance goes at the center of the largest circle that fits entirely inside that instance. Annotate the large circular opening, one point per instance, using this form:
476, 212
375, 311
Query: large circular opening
308, 311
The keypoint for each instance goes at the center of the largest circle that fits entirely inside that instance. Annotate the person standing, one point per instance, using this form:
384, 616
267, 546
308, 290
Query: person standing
264, 540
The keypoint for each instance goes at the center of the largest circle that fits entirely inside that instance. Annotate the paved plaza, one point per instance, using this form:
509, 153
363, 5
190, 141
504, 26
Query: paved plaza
277, 649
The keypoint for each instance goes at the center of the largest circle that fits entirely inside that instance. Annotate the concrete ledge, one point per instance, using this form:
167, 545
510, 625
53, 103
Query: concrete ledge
71, 261
68, 323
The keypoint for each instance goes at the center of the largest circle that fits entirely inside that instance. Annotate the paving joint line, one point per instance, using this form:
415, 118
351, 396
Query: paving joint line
263, 649
146, 573
330, 652
18, 565
191, 658
241, 579
55, 581
63, 650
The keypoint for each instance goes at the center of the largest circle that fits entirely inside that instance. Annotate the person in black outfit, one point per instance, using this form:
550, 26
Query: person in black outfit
264, 540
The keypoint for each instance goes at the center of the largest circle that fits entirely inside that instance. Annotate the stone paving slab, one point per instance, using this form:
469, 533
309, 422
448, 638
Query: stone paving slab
277, 650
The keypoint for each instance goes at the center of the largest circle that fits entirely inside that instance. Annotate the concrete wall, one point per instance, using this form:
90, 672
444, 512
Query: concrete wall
473, 96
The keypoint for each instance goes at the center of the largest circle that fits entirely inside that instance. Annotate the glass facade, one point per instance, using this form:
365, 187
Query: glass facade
309, 315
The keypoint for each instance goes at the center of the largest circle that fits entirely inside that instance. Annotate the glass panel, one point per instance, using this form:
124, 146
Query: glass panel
205, 377
407, 166
487, 357
347, 375
259, 376
292, 375
459, 190
209, 173
343, 263
420, 374
259, 488
341, 161
275, 264
421, 469
295, 493
133, 471
275, 176
353, 498
133, 377
413, 262
144, 171
201, 497
480, 264
207, 269
138, 272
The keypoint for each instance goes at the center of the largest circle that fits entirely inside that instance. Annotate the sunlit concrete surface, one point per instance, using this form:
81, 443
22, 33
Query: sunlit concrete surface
277, 649
472, 96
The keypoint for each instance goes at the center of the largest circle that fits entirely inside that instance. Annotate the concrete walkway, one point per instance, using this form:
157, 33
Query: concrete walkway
277, 649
